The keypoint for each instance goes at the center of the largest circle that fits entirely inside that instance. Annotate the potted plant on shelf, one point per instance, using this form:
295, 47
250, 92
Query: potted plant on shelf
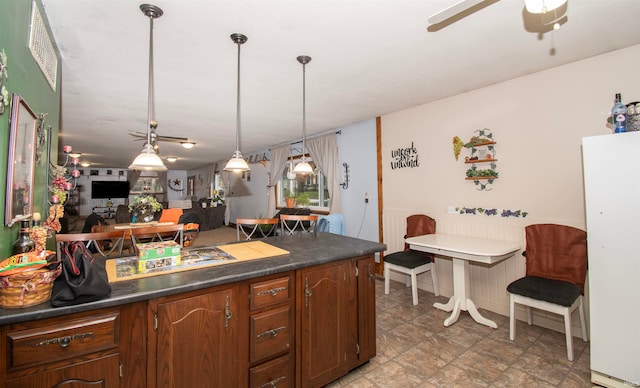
302, 200
143, 208
290, 199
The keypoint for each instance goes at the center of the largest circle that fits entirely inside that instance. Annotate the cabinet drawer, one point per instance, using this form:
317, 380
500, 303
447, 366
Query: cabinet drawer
269, 292
275, 373
270, 333
67, 339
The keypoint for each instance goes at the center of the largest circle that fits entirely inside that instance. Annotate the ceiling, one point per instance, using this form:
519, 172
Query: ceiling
369, 58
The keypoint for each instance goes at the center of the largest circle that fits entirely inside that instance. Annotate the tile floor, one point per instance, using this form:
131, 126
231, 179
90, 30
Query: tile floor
415, 349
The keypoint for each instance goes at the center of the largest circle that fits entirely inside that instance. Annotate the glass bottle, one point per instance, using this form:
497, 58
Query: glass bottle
24, 243
619, 115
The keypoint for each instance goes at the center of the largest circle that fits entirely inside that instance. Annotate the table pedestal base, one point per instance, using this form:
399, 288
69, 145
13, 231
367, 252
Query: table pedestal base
460, 300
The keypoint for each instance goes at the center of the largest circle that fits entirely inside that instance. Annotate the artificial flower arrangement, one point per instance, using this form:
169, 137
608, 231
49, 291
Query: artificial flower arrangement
143, 207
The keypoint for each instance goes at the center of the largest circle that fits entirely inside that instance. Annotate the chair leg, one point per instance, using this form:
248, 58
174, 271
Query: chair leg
414, 288
566, 312
434, 279
512, 317
529, 316
583, 323
387, 275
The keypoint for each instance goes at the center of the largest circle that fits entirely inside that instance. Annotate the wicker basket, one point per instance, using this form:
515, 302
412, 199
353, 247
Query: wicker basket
27, 288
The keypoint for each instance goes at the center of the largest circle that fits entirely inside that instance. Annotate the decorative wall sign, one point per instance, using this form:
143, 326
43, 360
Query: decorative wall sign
483, 151
4, 93
404, 157
41, 137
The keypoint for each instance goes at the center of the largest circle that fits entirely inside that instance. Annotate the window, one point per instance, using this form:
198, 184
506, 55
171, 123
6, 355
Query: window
313, 185
147, 185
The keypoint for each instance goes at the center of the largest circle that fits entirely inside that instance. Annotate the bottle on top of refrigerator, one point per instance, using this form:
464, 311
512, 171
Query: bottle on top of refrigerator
619, 115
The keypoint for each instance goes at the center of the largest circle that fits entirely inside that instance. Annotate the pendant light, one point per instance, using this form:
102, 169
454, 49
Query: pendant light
237, 162
303, 167
148, 159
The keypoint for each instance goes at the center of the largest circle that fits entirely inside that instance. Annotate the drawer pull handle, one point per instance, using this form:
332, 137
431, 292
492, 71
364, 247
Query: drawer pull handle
64, 341
272, 291
272, 332
273, 383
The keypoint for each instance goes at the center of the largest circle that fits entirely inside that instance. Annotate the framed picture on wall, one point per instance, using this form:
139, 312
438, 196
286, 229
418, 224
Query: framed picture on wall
109, 172
23, 123
93, 172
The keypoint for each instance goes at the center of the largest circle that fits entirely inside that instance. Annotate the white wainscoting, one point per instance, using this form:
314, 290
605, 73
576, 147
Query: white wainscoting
488, 283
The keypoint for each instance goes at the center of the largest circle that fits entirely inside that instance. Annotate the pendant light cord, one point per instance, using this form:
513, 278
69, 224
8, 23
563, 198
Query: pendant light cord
304, 108
238, 102
150, 97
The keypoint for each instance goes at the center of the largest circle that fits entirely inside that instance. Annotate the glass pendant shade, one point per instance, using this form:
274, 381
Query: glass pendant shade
148, 160
303, 168
543, 6
237, 163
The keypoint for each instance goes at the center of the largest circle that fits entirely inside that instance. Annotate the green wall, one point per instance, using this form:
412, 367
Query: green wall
26, 79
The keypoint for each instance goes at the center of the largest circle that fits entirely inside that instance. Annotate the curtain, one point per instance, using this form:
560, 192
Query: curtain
324, 152
279, 158
132, 177
162, 178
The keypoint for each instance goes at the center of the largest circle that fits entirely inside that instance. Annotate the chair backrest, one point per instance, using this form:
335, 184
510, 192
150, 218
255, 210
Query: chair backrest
556, 252
250, 228
171, 215
101, 244
298, 224
122, 214
419, 225
155, 233
332, 223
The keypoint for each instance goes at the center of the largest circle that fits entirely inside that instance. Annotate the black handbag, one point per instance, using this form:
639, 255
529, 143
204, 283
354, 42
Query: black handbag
83, 279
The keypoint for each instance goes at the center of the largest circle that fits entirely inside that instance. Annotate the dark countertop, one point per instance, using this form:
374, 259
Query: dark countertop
304, 251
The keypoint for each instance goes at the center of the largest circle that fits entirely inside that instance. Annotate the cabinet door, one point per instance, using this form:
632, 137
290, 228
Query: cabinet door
197, 341
97, 373
366, 302
323, 335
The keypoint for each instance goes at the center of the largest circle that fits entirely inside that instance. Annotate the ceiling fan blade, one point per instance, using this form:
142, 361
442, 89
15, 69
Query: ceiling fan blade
452, 11
172, 138
138, 134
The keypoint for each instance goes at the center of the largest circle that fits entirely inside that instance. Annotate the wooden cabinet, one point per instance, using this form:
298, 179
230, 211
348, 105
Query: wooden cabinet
80, 350
302, 328
195, 340
271, 332
365, 320
336, 320
322, 337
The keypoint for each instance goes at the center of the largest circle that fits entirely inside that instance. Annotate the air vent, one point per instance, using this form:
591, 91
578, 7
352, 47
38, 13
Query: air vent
41, 47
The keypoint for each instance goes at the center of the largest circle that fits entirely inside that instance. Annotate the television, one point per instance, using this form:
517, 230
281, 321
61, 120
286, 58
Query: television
109, 189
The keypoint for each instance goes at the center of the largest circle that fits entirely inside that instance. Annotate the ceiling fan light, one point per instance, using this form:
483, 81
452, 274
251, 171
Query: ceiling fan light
303, 168
237, 163
148, 160
543, 6
187, 144
171, 159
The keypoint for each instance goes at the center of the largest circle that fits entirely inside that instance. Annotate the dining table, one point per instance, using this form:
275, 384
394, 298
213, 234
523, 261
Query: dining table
463, 250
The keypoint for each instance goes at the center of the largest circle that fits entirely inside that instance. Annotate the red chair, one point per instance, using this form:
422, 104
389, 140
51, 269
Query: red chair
410, 262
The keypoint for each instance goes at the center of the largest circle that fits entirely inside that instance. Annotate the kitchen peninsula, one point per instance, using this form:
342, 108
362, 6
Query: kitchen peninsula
297, 320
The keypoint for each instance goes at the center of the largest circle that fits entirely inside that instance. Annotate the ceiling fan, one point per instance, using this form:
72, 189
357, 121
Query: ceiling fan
550, 12
155, 138
459, 10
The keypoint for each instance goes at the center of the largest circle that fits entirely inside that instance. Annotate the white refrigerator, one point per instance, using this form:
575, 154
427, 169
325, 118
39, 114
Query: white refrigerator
611, 168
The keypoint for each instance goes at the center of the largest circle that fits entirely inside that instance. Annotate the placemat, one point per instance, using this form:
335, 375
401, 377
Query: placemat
126, 268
